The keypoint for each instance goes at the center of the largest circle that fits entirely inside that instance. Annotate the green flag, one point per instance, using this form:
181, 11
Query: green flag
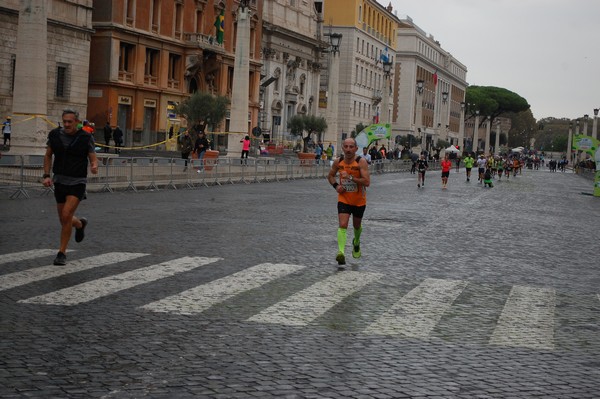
220, 26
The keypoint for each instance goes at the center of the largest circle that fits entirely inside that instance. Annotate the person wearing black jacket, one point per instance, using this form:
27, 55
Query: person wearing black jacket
107, 136
71, 148
118, 138
200, 148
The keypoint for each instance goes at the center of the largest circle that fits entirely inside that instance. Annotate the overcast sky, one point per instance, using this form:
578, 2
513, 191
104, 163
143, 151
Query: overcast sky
547, 51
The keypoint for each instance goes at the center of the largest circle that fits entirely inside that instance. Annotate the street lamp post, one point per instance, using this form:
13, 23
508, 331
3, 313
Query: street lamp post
444, 113
385, 96
461, 128
385, 100
335, 40
476, 133
595, 124
585, 121
419, 112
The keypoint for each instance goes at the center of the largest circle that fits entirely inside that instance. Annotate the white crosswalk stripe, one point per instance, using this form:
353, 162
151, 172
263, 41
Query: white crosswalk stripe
201, 298
23, 277
305, 306
419, 311
25, 255
527, 319
95, 289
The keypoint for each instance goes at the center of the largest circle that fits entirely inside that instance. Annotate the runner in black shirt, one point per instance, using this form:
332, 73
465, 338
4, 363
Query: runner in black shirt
422, 166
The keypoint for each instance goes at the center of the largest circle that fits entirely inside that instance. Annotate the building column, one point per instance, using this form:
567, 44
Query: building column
241, 72
461, 127
475, 133
30, 97
595, 124
488, 129
569, 142
497, 143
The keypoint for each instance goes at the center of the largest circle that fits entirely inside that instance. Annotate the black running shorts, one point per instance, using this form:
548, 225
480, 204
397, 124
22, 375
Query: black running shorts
61, 191
356, 211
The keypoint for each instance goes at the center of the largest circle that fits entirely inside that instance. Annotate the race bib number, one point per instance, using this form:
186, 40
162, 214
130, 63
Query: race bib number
349, 185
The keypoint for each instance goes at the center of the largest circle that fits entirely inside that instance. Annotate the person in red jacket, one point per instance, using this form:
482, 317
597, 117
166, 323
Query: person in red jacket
446, 165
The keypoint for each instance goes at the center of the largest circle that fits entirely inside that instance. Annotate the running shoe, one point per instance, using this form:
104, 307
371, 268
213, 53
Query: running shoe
60, 260
340, 258
356, 249
418, 185
80, 233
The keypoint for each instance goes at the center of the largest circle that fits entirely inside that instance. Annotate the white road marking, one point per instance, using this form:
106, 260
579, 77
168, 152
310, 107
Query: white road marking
25, 255
23, 277
305, 306
527, 319
200, 298
98, 288
418, 312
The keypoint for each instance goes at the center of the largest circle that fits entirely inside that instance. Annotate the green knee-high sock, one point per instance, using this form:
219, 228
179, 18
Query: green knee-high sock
341, 239
357, 234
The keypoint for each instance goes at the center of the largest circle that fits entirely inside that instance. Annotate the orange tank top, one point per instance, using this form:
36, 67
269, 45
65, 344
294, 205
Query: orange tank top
355, 194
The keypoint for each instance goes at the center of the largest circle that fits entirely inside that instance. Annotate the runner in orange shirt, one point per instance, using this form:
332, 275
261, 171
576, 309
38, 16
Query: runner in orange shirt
354, 179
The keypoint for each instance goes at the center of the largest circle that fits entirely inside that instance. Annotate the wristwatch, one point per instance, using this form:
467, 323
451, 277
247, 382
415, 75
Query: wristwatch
45, 176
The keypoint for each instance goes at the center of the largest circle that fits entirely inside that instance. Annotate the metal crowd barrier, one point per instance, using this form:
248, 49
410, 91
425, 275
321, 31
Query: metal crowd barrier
21, 175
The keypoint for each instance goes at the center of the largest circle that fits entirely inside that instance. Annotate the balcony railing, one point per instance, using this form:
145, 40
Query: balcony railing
202, 40
126, 76
150, 80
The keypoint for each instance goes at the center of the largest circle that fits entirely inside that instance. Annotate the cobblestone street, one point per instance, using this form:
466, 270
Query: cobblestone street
233, 291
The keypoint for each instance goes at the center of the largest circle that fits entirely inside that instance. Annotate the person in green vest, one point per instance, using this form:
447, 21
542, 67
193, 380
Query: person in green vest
329, 152
469, 162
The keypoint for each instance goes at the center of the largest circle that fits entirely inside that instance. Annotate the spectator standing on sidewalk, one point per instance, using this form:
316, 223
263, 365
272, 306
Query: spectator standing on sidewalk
186, 148
366, 155
200, 148
118, 138
245, 149
71, 149
7, 130
107, 136
319, 152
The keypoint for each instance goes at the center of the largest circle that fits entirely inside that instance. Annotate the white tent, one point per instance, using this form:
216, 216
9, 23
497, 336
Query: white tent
453, 149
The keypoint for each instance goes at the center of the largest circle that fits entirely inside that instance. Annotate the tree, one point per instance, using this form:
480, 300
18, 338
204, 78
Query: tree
359, 128
309, 124
204, 108
408, 141
493, 101
523, 126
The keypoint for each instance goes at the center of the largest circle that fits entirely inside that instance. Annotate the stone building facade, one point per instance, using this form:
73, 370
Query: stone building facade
292, 60
149, 55
48, 72
368, 35
434, 113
